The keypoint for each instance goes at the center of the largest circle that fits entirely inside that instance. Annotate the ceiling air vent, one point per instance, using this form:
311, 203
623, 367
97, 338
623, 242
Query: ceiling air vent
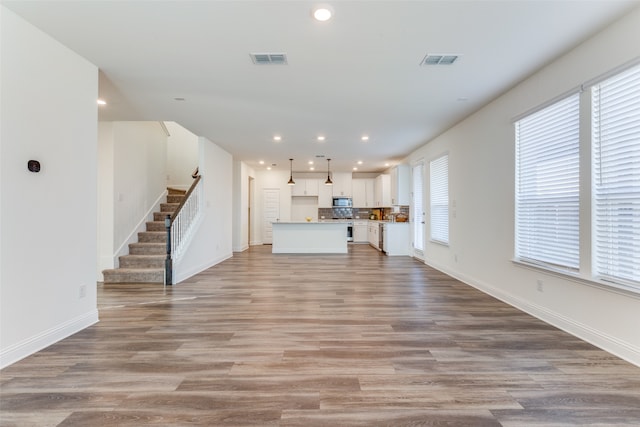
431, 59
269, 58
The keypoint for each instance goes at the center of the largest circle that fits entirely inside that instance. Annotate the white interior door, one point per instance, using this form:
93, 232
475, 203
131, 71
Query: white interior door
271, 213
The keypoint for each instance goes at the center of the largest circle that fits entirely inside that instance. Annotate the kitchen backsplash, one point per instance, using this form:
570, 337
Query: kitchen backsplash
361, 213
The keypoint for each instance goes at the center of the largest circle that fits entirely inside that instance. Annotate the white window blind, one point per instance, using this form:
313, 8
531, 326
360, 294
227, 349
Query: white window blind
418, 207
547, 185
616, 157
439, 178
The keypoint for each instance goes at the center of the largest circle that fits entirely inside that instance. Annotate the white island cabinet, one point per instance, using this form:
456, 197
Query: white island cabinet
309, 238
397, 238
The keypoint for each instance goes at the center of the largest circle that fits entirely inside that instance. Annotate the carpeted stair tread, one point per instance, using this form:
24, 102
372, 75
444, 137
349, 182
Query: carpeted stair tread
134, 275
152, 237
175, 198
160, 216
147, 248
168, 207
142, 261
156, 226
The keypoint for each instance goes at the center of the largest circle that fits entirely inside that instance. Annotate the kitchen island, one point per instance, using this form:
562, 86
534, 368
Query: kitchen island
309, 238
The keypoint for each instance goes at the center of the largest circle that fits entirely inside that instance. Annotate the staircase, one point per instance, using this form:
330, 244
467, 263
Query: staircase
145, 262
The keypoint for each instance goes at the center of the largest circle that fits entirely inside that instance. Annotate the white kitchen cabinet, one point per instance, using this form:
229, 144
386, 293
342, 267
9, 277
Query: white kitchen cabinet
363, 192
325, 195
341, 184
400, 186
305, 187
383, 191
397, 238
373, 234
360, 232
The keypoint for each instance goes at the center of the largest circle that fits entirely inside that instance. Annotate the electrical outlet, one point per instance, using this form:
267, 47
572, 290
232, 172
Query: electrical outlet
540, 285
83, 291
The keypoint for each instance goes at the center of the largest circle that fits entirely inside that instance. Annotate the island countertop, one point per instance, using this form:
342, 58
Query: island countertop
309, 237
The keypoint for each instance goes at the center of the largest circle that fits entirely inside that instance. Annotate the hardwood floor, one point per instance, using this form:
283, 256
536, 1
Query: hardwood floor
337, 340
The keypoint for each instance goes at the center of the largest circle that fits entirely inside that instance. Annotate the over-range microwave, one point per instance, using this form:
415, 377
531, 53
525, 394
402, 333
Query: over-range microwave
342, 202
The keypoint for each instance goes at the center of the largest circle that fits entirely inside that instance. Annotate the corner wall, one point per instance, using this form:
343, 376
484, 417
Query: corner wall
212, 242
481, 184
48, 219
241, 176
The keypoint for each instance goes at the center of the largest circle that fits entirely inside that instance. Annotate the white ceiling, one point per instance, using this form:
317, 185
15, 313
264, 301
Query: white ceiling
356, 74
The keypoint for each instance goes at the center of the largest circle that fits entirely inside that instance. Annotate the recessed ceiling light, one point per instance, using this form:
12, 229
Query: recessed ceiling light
268, 168
365, 138
322, 13
277, 138
386, 164
359, 162
310, 162
355, 168
261, 162
102, 102
321, 138
312, 168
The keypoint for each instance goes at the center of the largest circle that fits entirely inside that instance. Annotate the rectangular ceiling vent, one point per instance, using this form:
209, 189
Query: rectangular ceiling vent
269, 58
432, 59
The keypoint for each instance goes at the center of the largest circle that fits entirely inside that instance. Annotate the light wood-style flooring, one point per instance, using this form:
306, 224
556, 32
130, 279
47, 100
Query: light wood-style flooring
305, 340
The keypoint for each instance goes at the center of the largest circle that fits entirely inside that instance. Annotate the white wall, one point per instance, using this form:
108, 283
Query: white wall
182, 156
241, 176
481, 182
48, 220
212, 242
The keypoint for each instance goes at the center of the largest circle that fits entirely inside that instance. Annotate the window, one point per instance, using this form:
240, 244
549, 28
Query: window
616, 183
550, 215
439, 174
547, 185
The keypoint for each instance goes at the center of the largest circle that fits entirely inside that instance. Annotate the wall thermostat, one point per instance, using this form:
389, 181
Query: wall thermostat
33, 166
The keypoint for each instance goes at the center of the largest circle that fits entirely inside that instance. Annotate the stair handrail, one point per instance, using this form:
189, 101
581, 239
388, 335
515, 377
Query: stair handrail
179, 225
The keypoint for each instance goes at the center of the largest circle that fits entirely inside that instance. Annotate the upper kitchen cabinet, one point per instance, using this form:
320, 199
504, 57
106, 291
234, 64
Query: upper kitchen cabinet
305, 187
341, 184
363, 192
383, 191
325, 195
400, 186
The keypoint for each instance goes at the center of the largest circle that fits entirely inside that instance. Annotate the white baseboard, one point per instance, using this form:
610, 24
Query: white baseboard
180, 276
241, 248
606, 342
51, 336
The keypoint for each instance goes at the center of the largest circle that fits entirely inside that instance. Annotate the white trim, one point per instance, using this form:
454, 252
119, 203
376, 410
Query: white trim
619, 69
606, 342
242, 248
555, 99
31, 345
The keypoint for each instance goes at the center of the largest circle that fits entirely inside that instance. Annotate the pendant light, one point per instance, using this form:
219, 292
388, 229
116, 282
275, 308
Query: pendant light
291, 181
328, 181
